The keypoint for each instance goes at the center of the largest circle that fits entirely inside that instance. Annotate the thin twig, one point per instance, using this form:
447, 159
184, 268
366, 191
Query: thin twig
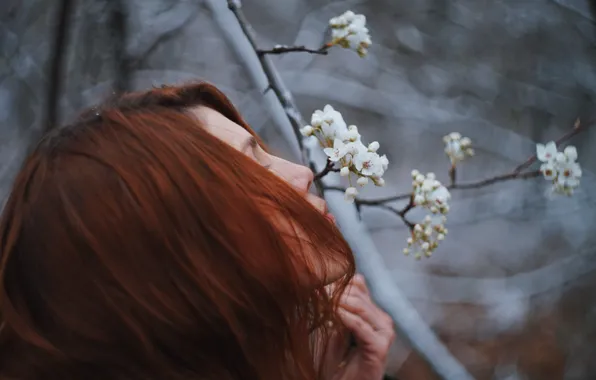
515, 174
578, 126
401, 214
408, 207
328, 169
334, 188
493, 180
462, 186
323, 50
452, 174
57, 65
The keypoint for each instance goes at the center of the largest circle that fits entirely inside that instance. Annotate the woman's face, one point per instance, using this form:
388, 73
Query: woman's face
239, 138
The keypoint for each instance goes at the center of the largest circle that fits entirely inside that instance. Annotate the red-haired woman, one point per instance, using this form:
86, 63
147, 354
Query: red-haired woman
155, 238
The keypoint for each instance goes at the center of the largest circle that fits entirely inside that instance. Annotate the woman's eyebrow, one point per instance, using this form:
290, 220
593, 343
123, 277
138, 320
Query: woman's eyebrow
249, 143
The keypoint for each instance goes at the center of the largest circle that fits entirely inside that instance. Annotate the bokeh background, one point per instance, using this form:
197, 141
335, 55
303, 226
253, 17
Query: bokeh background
512, 292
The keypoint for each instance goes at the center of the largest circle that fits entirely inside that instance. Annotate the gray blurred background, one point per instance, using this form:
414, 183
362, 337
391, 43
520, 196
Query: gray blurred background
512, 291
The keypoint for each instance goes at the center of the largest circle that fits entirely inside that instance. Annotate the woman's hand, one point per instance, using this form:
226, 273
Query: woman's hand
372, 330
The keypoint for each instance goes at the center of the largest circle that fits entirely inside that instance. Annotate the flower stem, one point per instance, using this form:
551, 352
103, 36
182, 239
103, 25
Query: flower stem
452, 174
328, 169
278, 50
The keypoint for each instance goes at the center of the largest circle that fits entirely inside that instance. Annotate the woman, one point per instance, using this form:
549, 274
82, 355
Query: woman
155, 238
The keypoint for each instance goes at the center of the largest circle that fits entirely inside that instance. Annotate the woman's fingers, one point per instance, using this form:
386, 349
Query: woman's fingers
360, 283
361, 329
373, 343
368, 312
362, 316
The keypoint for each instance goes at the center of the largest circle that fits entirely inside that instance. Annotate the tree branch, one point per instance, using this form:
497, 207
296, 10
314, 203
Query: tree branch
401, 214
284, 97
409, 324
515, 174
119, 27
277, 50
328, 169
59, 50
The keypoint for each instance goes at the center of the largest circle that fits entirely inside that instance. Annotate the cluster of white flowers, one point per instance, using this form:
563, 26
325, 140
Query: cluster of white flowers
425, 237
457, 147
349, 31
429, 193
561, 168
343, 145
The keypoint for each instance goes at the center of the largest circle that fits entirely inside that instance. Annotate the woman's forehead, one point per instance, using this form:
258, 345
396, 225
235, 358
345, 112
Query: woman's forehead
220, 126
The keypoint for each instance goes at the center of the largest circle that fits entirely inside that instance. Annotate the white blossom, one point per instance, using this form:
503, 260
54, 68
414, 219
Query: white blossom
546, 153
307, 131
338, 151
373, 146
561, 168
378, 181
349, 31
368, 163
425, 238
429, 193
351, 193
569, 174
343, 145
548, 170
570, 153
362, 181
457, 148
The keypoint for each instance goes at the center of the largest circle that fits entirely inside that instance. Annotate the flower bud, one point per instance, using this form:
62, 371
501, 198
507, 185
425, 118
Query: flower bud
362, 181
351, 193
344, 172
373, 146
307, 131
415, 173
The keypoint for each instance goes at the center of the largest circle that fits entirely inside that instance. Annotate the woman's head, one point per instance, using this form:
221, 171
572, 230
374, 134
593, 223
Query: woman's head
155, 237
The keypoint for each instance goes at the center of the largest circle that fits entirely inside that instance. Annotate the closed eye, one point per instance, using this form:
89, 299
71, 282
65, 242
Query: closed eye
257, 152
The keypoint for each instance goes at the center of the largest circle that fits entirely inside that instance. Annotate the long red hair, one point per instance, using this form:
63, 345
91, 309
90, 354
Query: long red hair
136, 245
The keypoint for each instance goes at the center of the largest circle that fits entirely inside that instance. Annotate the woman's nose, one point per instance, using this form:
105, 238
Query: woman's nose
298, 176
